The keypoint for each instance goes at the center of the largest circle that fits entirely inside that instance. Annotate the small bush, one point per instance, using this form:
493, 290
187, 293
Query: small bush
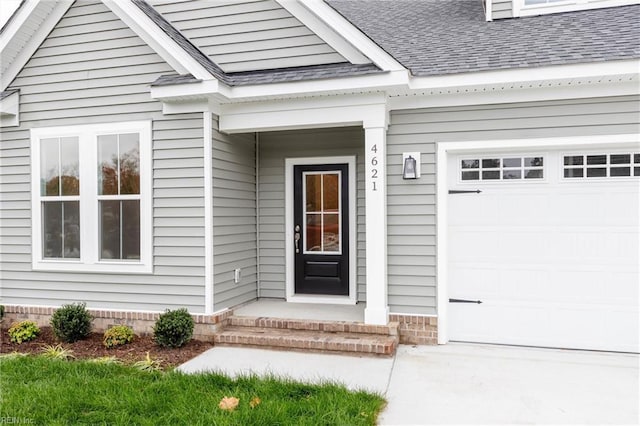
24, 331
148, 364
71, 322
57, 352
118, 335
173, 329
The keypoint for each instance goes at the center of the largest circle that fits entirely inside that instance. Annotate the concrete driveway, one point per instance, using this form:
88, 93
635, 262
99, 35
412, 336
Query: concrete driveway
486, 384
463, 383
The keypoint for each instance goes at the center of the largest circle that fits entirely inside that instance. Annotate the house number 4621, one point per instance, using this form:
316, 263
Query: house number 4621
374, 170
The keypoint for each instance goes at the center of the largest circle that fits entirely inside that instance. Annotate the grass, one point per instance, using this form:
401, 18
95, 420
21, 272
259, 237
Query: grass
58, 392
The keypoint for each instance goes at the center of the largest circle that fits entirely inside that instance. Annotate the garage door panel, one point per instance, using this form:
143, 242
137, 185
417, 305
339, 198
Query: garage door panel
554, 262
529, 325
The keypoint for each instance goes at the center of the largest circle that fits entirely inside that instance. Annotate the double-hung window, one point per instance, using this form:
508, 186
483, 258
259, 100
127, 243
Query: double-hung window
91, 197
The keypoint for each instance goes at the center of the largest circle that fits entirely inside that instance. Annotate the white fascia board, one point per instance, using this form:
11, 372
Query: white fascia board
349, 32
383, 81
527, 75
484, 96
376, 82
54, 12
21, 16
520, 10
324, 31
328, 111
157, 39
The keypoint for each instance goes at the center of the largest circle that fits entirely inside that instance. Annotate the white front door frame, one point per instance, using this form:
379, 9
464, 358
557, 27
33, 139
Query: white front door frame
446, 148
352, 298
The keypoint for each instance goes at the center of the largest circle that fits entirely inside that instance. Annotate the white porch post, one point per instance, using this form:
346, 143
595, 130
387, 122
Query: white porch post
375, 142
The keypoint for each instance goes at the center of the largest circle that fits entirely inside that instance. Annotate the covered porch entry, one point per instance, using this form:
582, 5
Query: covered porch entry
320, 205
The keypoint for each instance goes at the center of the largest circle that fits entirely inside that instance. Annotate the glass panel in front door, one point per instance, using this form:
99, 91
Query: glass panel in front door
321, 210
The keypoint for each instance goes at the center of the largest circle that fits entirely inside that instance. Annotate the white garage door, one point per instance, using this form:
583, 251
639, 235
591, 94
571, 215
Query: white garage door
550, 247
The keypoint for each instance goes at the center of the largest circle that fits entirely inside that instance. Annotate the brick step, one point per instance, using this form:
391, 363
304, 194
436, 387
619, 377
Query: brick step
307, 340
390, 329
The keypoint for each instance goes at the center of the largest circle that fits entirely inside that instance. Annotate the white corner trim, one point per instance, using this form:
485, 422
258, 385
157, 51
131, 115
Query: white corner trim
208, 211
443, 149
325, 32
349, 32
289, 223
488, 4
10, 110
55, 11
157, 39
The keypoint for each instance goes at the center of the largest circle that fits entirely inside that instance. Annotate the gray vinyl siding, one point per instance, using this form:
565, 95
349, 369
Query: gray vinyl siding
274, 147
93, 69
245, 36
501, 9
234, 218
411, 204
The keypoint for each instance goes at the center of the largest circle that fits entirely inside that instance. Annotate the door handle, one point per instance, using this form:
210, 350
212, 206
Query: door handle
296, 237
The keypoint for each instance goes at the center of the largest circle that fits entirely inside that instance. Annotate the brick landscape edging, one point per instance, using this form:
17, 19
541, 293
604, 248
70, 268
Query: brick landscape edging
141, 322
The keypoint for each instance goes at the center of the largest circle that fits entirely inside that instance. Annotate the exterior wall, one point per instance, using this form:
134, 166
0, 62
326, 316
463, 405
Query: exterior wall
234, 218
93, 69
274, 147
502, 9
411, 205
247, 36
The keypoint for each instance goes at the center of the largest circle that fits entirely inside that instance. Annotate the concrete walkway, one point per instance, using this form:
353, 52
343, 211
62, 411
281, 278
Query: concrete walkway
463, 383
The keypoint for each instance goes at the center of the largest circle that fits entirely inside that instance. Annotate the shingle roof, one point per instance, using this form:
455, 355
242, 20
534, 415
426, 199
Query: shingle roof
432, 37
313, 72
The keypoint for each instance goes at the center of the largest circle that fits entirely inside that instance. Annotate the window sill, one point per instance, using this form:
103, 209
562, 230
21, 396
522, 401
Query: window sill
100, 267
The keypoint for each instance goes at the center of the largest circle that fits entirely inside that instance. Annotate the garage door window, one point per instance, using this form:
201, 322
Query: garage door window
601, 165
501, 168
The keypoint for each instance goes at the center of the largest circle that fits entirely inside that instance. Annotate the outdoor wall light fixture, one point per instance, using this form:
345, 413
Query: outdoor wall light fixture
411, 165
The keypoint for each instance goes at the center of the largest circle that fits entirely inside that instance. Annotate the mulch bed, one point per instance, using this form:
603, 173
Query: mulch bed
92, 347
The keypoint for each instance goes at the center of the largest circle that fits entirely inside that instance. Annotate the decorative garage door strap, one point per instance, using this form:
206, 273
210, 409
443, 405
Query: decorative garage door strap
464, 301
470, 191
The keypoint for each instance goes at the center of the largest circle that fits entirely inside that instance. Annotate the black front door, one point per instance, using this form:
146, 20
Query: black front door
321, 229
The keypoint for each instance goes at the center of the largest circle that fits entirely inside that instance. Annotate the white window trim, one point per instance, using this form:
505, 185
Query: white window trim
292, 297
89, 221
520, 9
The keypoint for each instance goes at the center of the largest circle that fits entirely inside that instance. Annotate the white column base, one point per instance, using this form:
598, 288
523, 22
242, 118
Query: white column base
376, 316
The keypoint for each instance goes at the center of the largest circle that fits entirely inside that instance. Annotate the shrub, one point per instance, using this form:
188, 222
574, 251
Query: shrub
1, 312
71, 322
173, 329
118, 335
24, 331
148, 364
57, 352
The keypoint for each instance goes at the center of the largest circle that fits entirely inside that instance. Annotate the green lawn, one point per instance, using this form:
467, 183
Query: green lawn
55, 392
